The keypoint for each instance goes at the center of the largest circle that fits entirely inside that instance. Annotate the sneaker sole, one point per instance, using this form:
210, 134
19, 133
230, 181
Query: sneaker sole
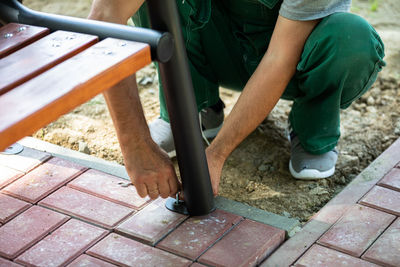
171, 154
211, 133
310, 174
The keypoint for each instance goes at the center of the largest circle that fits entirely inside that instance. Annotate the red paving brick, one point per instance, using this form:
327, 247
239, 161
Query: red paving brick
63, 245
196, 234
386, 250
391, 180
353, 233
24, 161
43, 180
87, 207
246, 245
26, 229
356, 230
127, 252
10, 207
7, 263
290, 250
108, 187
318, 256
8, 176
383, 199
196, 264
89, 261
152, 223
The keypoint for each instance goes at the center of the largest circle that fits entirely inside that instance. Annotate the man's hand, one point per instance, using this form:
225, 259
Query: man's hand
152, 172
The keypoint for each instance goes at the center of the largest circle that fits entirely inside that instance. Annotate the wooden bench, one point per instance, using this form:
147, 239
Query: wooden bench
44, 75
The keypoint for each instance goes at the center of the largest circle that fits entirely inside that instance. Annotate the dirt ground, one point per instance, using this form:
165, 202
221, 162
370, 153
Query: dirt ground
257, 171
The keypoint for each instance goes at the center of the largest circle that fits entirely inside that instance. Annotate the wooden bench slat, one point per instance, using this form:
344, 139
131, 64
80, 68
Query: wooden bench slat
22, 35
57, 91
40, 56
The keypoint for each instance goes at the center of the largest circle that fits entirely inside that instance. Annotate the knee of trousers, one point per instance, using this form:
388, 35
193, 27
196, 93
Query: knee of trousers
348, 54
350, 41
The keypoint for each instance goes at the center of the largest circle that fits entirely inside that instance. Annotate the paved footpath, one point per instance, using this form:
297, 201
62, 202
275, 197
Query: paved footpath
359, 227
54, 212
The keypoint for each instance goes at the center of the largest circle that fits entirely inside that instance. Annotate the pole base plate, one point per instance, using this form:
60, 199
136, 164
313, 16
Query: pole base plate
13, 149
178, 206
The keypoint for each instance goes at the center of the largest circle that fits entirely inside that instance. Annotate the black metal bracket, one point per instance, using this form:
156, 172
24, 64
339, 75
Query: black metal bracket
161, 43
176, 205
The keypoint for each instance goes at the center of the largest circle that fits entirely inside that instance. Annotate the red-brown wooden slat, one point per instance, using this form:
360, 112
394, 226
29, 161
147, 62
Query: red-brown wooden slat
14, 36
44, 98
40, 56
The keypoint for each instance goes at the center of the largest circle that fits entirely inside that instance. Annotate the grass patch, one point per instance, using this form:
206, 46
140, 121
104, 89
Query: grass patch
374, 5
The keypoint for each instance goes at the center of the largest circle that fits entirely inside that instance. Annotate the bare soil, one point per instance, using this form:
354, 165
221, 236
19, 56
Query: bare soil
257, 171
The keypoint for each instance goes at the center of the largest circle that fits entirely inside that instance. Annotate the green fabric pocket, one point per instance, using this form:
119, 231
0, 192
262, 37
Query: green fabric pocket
195, 13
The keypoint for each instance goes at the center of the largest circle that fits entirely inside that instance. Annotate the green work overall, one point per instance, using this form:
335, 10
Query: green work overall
226, 40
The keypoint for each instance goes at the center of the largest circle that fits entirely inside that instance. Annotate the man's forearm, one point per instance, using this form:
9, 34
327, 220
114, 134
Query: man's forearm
127, 114
266, 85
147, 165
123, 99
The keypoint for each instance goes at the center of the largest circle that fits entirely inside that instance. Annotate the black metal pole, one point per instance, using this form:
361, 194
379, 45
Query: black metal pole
179, 95
161, 43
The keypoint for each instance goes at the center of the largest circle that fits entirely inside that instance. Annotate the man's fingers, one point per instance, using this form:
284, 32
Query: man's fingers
181, 195
153, 191
173, 186
163, 187
141, 190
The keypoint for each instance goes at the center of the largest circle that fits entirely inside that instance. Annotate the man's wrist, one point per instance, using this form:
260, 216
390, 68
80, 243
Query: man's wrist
216, 154
135, 144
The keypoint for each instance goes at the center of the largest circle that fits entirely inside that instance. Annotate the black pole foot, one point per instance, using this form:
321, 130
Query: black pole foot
176, 205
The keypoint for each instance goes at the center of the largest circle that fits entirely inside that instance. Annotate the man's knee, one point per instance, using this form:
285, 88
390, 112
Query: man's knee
352, 40
358, 54
346, 50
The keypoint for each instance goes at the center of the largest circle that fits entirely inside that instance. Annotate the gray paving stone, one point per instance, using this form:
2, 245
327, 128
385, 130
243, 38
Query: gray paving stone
289, 225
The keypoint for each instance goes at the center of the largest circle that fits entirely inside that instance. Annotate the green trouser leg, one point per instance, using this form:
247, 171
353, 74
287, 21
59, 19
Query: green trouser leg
340, 61
194, 16
216, 56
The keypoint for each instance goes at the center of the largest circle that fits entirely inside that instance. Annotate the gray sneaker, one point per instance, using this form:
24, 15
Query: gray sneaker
306, 166
161, 134
211, 120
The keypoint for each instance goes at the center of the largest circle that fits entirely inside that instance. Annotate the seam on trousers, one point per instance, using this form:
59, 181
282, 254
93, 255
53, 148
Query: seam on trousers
302, 64
188, 25
368, 84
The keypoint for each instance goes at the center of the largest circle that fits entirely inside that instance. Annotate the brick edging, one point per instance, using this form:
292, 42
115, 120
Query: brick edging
292, 249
